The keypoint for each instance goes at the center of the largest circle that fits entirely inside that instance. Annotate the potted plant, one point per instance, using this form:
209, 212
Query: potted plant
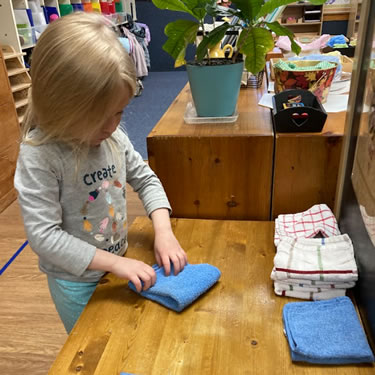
209, 77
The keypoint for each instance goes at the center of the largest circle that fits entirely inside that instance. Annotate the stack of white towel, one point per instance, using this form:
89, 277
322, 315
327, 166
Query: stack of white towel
312, 268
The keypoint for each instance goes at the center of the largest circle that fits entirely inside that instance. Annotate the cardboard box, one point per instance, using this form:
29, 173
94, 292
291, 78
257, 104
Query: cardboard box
347, 64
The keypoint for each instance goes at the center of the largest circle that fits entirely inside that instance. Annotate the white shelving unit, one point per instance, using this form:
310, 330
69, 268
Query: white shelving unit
10, 35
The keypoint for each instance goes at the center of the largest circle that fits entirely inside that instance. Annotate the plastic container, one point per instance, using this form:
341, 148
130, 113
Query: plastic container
307, 119
96, 7
191, 117
111, 7
26, 36
38, 31
318, 81
65, 9
118, 7
87, 7
104, 7
78, 7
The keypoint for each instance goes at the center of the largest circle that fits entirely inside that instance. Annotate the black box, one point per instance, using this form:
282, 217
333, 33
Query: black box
284, 119
349, 51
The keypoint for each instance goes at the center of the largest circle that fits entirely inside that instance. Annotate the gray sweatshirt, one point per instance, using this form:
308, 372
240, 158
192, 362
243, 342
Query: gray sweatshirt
68, 213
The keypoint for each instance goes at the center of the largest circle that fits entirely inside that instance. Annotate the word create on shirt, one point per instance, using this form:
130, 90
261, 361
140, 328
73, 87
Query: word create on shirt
99, 175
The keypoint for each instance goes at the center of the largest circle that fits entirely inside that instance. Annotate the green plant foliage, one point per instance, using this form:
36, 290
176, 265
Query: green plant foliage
255, 43
180, 34
256, 34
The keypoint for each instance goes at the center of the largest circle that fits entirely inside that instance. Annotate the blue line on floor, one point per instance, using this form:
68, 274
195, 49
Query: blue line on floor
15, 255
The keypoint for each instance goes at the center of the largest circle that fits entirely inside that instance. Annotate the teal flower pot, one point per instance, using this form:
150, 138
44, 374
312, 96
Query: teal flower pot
215, 89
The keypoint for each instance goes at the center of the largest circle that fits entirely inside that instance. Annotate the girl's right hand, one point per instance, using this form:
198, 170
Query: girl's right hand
135, 271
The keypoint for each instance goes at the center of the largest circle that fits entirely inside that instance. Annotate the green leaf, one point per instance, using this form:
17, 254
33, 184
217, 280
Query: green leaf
255, 43
211, 39
180, 33
198, 7
281, 30
271, 5
176, 5
249, 9
194, 7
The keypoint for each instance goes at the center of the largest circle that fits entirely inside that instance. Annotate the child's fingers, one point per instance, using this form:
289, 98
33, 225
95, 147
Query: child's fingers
137, 283
148, 277
166, 264
176, 264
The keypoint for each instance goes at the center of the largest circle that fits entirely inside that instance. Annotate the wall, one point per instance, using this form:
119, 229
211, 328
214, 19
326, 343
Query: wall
156, 19
335, 27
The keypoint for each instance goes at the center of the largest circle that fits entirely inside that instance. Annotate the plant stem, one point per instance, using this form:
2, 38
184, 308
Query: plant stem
203, 30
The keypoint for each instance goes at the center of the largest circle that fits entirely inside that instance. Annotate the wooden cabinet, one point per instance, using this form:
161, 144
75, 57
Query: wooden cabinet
215, 171
242, 170
306, 167
9, 140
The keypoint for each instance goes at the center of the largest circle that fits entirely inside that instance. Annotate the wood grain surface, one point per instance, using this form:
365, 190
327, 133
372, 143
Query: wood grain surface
215, 171
9, 137
234, 328
306, 168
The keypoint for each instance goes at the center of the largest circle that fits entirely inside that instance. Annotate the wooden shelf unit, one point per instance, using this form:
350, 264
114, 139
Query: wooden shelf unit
354, 17
308, 18
19, 79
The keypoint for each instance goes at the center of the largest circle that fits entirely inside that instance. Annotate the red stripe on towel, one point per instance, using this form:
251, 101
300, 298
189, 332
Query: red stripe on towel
314, 272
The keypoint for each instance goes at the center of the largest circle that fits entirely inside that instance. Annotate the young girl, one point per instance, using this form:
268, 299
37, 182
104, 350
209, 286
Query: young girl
74, 163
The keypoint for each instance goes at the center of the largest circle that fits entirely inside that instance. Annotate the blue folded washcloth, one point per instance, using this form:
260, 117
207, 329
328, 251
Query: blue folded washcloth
326, 332
177, 292
337, 39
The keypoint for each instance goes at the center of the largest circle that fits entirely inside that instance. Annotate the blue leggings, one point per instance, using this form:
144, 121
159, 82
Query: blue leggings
70, 299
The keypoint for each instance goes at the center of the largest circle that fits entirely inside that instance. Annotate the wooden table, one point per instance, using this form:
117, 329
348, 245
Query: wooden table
235, 328
215, 171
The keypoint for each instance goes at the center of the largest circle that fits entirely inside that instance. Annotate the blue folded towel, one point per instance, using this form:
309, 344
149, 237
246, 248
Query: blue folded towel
337, 39
326, 332
177, 292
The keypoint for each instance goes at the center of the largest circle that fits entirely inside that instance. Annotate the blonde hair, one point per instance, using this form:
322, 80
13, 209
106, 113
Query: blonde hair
78, 68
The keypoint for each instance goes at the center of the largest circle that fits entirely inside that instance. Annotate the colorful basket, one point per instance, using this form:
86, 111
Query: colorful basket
317, 80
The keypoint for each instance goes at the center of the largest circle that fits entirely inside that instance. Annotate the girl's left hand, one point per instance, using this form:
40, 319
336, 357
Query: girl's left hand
167, 249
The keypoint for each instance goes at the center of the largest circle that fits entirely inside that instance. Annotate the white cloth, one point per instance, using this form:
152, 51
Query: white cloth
317, 219
308, 287
327, 294
321, 259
